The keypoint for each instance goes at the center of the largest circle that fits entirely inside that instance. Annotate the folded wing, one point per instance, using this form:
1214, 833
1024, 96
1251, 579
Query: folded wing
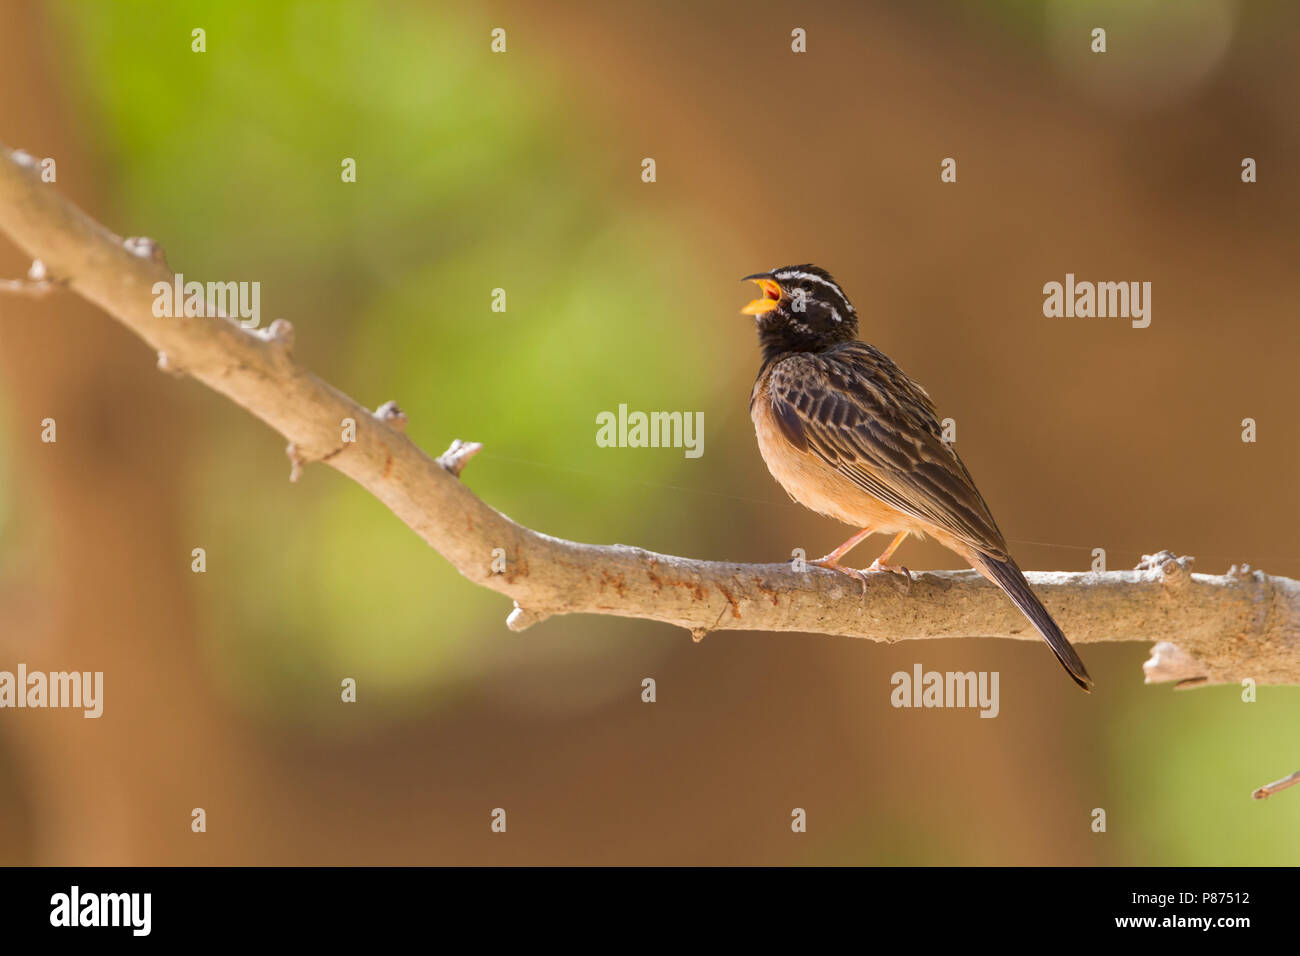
857, 411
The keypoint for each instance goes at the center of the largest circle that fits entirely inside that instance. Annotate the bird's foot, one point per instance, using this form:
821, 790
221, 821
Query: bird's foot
830, 564
877, 567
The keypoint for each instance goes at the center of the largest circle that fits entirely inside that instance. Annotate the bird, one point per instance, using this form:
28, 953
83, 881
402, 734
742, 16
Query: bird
850, 436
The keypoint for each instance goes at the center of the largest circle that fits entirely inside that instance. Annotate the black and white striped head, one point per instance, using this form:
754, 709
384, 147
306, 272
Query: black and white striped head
802, 309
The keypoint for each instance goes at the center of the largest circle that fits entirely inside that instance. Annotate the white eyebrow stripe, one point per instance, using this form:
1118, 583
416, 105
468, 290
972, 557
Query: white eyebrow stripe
812, 276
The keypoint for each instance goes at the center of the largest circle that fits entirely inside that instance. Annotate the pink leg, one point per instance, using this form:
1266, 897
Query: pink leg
833, 558
832, 561
882, 563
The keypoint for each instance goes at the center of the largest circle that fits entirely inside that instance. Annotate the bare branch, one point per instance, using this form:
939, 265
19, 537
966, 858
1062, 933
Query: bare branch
36, 283
455, 458
1213, 629
1266, 791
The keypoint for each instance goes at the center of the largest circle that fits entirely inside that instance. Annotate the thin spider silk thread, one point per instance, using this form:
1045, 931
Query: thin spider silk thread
601, 476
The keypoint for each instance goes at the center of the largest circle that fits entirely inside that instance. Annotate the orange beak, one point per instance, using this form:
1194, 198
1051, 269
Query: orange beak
771, 296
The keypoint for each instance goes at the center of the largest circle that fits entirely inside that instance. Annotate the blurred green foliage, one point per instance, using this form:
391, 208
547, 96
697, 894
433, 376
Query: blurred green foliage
1188, 762
467, 181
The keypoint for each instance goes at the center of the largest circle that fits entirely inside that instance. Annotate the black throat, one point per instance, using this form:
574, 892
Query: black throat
780, 337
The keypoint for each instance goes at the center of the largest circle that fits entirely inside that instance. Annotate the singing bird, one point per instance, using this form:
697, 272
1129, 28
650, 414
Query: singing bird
849, 435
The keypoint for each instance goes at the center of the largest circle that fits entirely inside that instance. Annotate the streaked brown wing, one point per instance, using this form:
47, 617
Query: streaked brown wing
856, 410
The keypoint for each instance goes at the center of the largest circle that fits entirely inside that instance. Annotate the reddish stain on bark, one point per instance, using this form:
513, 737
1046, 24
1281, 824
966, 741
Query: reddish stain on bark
698, 593
735, 608
613, 580
518, 568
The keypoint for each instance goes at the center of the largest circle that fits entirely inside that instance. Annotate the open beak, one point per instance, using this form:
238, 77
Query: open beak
771, 295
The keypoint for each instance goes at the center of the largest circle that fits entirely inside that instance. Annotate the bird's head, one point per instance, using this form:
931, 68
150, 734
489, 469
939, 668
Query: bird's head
802, 309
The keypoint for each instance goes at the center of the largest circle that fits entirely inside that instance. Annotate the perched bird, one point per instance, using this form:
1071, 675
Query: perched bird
849, 435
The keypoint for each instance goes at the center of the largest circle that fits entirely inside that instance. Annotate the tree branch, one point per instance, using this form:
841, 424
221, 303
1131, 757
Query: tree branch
1218, 628
1266, 791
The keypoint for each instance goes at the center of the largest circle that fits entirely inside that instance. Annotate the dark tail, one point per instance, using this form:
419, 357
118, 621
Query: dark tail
1007, 576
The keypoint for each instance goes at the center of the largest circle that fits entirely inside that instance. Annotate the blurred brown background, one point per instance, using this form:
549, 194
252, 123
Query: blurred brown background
522, 171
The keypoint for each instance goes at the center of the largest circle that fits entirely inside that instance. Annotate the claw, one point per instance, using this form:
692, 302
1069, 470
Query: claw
877, 567
830, 564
